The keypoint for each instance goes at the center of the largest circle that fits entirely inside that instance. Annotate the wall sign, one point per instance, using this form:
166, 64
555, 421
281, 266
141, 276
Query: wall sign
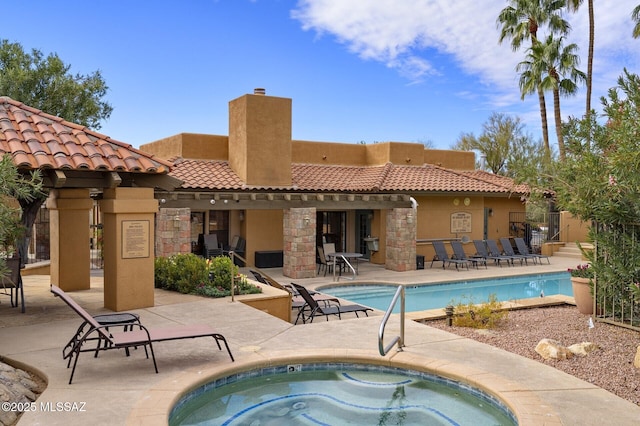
135, 239
460, 222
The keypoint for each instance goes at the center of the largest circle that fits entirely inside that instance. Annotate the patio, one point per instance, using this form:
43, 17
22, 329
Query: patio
119, 390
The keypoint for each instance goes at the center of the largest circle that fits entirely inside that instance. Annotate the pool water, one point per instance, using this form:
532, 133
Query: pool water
434, 296
338, 394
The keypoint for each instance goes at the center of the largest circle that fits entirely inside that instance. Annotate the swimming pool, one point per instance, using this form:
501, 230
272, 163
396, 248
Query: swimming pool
434, 296
337, 394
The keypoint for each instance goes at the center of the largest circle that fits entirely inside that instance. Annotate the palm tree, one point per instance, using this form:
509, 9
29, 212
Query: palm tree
575, 5
551, 66
635, 15
520, 21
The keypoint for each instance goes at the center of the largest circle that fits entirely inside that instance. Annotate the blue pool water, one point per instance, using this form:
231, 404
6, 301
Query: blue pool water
434, 296
338, 394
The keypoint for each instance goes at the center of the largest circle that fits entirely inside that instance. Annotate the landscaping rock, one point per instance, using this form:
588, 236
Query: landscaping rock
583, 349
636, 360
15, 386
552, 349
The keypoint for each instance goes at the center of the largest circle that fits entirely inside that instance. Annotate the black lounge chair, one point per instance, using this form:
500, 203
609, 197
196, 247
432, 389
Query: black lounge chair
313, 309
492, 246
508, 250
521, 245
442, 256
459, 253
481, 250
138, 335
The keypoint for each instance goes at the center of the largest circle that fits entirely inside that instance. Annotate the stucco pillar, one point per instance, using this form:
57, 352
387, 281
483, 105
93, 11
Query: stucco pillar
128, 217
69, 212
299, 229
401, 240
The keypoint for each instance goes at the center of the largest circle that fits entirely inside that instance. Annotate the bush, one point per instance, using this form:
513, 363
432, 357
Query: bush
188, 273
180, 272
486, 315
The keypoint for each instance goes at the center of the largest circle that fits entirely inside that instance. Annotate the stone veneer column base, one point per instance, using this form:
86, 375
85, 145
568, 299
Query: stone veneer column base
401, 240
173, 231
299, 228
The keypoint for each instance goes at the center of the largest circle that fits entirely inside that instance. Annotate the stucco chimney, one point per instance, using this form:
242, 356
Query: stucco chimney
260, 139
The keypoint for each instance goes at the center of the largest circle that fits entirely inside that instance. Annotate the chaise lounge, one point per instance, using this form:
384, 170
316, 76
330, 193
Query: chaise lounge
313, 309
138, 335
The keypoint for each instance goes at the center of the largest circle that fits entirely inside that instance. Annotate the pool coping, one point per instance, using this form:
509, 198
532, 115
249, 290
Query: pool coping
155, 406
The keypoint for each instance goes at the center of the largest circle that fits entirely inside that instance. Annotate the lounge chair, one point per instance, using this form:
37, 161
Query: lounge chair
481, 250
442, 256
508, 250
13, 282
313, 309
459, 253
521, 245
492, 246
297, 301
138, 335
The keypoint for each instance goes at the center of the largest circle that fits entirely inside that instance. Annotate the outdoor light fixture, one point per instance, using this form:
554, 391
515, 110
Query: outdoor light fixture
212, 202
163, 200
307, 220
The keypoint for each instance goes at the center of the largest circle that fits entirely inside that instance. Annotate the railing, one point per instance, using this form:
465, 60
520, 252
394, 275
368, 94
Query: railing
398, 339
344, 259
233, 255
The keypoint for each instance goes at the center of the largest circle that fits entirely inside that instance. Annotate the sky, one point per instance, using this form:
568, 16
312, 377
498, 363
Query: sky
357, 70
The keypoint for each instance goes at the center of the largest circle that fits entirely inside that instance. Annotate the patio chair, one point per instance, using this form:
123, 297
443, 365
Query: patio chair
508, 250
481, 250
459, 253
138, 335
492, 246
442, 256
521, 245
13, 282
330, 249
211, 246
313, 309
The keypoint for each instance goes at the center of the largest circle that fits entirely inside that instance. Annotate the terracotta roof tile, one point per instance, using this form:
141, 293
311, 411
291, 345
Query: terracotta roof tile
218, 175
36, 139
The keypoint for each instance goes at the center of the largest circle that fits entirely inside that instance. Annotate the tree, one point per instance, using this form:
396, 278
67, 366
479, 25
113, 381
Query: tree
575, 5
47, 84
635, 15
551, 66
520, 21
14, 186
503, 144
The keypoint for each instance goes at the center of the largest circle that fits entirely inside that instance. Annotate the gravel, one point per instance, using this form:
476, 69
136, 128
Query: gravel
610, 367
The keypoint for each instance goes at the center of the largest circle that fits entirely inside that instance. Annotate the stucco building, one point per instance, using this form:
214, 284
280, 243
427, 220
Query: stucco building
280, 194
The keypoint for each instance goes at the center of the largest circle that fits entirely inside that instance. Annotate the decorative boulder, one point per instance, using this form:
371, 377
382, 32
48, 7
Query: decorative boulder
583, 348
552, 349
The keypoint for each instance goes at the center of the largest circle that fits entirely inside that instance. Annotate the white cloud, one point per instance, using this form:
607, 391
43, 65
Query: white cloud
403, 33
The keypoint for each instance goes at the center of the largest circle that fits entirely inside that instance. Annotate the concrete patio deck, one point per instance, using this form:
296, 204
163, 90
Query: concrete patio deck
119, 390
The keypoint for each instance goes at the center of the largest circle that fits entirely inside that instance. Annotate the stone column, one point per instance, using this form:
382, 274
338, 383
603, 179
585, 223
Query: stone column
173, 231
128, 247
299, 229
401, 240
69, 212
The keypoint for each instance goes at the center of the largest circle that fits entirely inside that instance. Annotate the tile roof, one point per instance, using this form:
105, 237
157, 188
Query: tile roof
37, 140
218, 175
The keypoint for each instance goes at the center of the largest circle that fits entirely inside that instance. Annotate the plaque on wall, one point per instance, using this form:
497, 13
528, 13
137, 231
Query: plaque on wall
135, 239
460, 222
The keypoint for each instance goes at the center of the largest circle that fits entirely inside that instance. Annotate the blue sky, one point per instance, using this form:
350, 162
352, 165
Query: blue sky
357, 70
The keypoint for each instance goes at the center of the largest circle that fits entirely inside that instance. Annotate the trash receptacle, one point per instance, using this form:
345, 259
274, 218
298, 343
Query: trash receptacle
419, 261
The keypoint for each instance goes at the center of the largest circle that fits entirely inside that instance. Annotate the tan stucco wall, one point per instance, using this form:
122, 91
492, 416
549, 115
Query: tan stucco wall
260, 139
457, 160
264, 230
434, 219
328, 153
572, 229
190, 145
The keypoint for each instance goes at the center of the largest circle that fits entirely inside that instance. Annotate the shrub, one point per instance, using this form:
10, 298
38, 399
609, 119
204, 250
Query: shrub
221, 269
180, 272
486, 315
